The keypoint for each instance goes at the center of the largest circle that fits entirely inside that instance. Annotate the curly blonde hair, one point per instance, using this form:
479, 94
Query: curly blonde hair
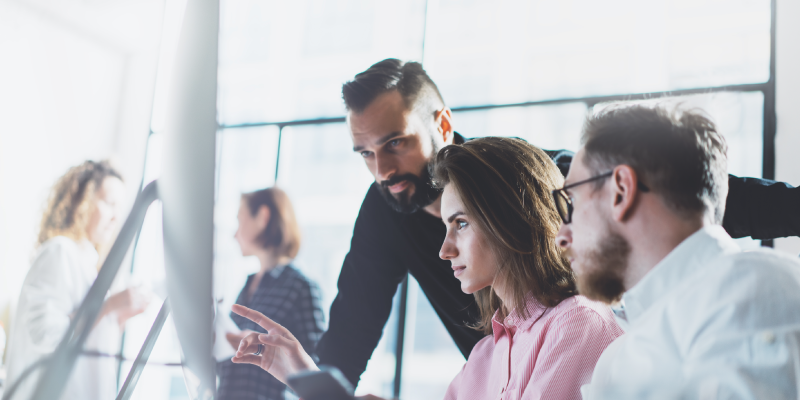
70, 203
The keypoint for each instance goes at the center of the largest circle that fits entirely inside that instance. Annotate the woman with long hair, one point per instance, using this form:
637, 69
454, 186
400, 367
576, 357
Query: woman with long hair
79, 224
268, 230
543, 339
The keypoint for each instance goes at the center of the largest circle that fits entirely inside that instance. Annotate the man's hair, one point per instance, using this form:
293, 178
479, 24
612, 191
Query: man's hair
408, 78
505, 186
676, 152
282, 233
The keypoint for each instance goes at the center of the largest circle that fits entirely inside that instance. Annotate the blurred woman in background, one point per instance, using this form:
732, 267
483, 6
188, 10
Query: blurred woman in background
268, 230
78, 226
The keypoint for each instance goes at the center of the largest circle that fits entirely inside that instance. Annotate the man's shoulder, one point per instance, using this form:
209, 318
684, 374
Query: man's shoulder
757, 269
744, 290
562, 158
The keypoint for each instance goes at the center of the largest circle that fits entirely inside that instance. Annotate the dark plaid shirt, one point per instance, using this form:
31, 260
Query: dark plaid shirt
290, 299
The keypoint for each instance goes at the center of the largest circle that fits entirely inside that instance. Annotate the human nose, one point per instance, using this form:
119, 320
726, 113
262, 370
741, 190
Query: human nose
564, 236
385, 167
448, 251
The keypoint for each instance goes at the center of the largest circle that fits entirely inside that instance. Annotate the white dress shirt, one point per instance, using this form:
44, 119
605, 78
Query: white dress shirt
58, 280
708, 322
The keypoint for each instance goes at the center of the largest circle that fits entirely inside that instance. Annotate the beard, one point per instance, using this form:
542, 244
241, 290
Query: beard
606, 264
424, 192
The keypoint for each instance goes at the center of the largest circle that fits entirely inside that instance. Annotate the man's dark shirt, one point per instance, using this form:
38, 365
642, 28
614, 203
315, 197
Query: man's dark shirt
387, 244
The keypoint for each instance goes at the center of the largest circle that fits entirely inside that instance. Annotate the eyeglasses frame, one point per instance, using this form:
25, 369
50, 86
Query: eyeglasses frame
567, 219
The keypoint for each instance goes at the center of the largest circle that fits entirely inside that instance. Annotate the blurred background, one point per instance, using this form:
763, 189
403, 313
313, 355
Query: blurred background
86, 79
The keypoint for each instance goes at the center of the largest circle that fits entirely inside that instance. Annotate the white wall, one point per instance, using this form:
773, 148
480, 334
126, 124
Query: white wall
76, 83
787, 75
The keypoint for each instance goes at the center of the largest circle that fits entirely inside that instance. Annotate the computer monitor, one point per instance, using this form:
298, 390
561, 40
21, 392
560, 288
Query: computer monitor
186, 189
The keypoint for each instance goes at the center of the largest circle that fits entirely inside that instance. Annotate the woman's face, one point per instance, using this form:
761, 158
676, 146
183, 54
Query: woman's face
250, 227
470, 254
107, 212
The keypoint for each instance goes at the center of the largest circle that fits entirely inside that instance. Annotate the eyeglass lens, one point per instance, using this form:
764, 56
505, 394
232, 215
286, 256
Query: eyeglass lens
563, 206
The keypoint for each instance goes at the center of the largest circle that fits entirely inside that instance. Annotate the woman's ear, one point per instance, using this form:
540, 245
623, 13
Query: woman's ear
263, 216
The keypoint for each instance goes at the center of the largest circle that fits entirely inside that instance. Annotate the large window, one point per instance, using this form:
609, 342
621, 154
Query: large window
512, 51
529, 69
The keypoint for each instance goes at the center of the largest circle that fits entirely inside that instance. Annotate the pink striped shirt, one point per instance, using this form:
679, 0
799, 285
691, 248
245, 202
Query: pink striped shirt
546, 356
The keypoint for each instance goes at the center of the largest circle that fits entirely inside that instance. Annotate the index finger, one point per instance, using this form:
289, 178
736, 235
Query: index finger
258, 318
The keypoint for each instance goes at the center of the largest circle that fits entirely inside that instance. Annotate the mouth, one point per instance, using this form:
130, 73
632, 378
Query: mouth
398, 187
570, 255
458, 270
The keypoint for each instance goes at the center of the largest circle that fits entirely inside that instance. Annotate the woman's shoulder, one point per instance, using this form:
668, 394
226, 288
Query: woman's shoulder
82, 250
297, 277
484, 348
57, 264
580, 310
58, 244
56, 250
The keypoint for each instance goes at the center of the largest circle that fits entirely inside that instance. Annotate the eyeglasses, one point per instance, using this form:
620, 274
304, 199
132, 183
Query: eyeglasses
564, 203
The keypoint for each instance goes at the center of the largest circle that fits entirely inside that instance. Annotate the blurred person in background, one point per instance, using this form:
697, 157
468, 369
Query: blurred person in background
541, 340
79, 224
398, 121
268, 230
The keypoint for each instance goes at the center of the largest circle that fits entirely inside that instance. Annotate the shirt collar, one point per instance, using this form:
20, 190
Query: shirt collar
277, 271
515, 322
694, 254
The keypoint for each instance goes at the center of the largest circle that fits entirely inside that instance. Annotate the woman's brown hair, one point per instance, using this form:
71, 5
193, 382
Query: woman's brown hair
282, 233
505, 187
69, 205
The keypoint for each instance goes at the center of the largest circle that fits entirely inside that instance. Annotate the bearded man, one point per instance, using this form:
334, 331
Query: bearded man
642, 208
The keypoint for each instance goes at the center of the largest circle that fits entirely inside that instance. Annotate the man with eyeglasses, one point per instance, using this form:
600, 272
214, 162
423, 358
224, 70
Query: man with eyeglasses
641, 210
398, 122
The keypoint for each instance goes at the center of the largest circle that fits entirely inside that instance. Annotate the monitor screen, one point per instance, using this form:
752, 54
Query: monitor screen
186, 189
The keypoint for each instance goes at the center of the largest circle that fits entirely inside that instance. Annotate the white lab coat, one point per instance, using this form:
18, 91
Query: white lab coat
58, 280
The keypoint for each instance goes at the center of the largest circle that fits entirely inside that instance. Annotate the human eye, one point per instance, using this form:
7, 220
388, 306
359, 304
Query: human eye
395, 142
461, 224
366, 154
